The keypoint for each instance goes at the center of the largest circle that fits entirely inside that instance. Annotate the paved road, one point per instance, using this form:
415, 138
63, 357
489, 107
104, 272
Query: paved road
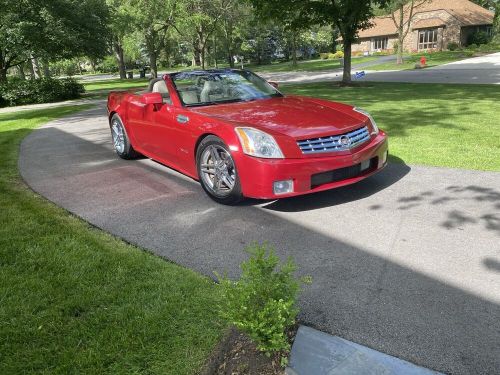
406, 262
479, 70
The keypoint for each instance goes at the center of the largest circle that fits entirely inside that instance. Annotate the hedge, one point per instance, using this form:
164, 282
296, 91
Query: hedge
19, 92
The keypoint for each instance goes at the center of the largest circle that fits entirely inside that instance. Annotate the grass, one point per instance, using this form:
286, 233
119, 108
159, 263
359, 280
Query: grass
433, 59
115, 84
305, 66
75, 300
430, 124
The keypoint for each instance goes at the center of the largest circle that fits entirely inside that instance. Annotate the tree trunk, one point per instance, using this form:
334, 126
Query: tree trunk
346, 78
36, 67
229, 43
46, 69
401, 35
294, 49
20, 72
202, 58
3, 74
201, 48
153, 65
399, 59
118, 50
215, 52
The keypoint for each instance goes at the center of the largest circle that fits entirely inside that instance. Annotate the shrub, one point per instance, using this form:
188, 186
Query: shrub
108, 65
339, 55
64, 68
323, 56
19, 92
478, 38
453, 46
262, 303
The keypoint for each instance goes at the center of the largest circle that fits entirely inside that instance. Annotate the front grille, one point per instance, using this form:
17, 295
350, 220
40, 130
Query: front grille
335, 143
341, 174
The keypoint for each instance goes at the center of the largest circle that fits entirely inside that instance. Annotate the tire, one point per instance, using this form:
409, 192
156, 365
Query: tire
121, 141
220, 179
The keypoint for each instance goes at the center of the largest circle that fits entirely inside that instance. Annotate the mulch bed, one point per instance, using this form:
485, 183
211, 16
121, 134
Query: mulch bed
236, 354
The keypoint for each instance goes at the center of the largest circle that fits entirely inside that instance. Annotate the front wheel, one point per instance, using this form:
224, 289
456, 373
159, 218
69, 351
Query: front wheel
217, 171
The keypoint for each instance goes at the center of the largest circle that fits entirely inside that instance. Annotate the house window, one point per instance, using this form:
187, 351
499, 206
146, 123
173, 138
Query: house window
427, 39
379, 43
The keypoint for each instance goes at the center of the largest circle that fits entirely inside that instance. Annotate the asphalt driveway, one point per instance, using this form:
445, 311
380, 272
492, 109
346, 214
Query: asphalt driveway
406, 262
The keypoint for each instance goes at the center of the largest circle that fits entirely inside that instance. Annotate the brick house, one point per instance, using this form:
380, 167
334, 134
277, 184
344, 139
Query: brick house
434, 25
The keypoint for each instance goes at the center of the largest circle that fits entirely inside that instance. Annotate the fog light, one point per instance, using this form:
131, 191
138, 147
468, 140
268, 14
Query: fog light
384, 157
283, 187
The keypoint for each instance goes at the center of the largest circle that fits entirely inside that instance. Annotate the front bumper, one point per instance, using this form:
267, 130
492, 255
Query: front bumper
257, 176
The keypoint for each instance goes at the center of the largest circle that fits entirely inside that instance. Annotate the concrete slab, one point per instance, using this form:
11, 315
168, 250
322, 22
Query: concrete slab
318, 353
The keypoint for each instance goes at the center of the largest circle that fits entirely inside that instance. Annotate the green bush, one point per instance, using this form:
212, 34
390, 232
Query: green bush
324, 56
478, 38
262, 303
108, 65
20, 92
453, 46
64, 68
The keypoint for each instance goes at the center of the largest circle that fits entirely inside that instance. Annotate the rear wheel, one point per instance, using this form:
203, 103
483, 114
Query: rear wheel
121, 142
217, 171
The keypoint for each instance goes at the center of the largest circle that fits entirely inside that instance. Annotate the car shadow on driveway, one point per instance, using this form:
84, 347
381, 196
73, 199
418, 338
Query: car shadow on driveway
381, 277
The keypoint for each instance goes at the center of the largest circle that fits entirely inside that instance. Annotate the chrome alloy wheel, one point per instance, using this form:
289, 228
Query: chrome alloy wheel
217, 170
118, 136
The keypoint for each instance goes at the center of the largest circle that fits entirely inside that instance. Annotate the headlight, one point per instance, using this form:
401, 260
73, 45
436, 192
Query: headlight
257, 143
374, 124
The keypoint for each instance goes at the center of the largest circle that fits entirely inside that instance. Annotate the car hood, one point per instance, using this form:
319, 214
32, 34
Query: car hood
295, 116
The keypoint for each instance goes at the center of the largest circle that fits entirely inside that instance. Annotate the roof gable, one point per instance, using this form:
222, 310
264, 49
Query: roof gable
464, 11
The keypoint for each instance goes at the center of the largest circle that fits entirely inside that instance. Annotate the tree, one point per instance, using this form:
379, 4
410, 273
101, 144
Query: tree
402, 12
120, 21
495, 6
348, 16
199, 21
152, 18
234, 20
52, 29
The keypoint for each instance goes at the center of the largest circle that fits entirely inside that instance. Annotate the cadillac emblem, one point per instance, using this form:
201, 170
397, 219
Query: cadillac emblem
345, 141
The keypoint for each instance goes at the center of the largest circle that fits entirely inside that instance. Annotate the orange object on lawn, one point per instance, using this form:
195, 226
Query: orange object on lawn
423, 61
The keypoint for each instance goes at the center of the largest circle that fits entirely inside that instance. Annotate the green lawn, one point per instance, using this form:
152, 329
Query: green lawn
433, 59
75, 300
305, 66
430, 124
302, 66
115, 84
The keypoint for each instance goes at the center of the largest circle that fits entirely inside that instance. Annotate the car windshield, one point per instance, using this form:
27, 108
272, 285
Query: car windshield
216, 87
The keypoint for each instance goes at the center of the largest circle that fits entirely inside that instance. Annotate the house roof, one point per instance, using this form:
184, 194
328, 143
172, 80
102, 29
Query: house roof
429, 22
382, 26
466, 12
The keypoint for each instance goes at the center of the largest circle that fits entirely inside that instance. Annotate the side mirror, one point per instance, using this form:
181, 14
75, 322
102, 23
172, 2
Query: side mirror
152, 98
274, 84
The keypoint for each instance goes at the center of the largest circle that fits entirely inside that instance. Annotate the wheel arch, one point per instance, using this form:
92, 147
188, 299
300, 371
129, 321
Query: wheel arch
198, 142
110, 116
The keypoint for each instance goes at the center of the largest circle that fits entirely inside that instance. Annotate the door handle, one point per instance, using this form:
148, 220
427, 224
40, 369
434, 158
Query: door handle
181, 119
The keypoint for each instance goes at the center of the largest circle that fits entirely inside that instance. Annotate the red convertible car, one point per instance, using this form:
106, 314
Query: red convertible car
241, 137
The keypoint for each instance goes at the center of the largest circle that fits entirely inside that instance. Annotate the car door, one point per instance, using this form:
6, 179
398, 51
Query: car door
162, 135
155, 131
